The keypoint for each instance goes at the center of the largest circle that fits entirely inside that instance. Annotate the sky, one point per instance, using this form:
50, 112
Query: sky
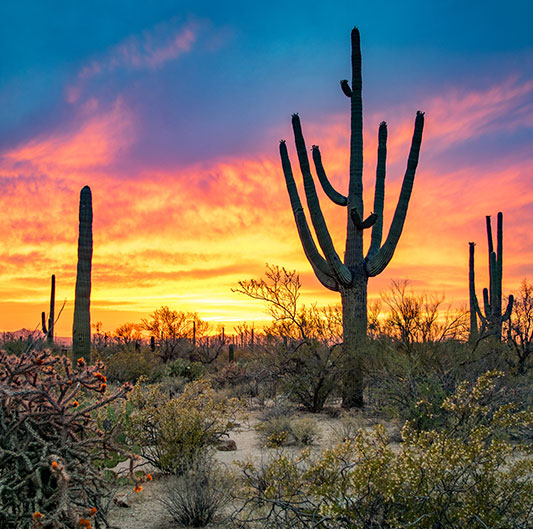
172, 112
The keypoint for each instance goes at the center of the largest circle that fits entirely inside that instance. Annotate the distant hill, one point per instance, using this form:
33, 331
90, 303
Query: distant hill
26, 335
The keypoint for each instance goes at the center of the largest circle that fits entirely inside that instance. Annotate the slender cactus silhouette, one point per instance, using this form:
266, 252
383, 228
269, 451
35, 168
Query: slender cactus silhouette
350, 278
49, 330
81, 330
492, 320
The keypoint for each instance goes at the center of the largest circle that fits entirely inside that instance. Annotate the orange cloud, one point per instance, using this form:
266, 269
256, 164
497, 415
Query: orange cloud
184, 235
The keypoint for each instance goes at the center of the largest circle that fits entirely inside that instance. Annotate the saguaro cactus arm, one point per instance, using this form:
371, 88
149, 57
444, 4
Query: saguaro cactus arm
509, 308
474, 307
375, 265
318, 263
342, 273
332, 194
379, 193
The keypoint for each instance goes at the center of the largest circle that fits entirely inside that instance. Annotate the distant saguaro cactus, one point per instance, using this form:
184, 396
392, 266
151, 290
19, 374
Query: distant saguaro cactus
49, 331
491, 321
350, 278
81, 330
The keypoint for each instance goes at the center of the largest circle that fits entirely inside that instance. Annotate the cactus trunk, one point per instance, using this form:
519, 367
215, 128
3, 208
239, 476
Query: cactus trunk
50, 333
81, 330
350, 277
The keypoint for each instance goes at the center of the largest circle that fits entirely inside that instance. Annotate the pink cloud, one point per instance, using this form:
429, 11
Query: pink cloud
169, 232
95, 138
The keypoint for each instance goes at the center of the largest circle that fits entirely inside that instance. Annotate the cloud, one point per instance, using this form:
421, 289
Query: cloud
94, 138
151, 50
184, 234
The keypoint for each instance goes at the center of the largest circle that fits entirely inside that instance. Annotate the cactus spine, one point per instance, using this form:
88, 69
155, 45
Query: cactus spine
492, 320
81, 330
49, 331
350, 278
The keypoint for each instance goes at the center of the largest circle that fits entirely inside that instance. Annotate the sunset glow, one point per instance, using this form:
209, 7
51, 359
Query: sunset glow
174, 123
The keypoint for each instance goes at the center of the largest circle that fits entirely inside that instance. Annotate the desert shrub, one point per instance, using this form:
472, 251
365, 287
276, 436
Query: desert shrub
412, 384
199, 495
127, 364
171, 432
466, 475
50, 442
185, 369
279, 431
347, 428
252, 378
305, 431
274, 432
310, 372
281, 406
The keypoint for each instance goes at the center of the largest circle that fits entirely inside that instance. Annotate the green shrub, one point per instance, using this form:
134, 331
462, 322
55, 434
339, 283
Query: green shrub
305, 432
172, 432
279, 431
126, 364
185, 369
465, 475
274, 432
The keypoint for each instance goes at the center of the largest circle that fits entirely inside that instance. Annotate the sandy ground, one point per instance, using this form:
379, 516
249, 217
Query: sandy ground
146, 511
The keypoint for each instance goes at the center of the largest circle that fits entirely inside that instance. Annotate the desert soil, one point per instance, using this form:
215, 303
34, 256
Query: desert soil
145, 510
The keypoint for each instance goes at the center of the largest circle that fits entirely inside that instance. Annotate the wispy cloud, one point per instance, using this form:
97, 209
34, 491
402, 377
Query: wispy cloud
151, 50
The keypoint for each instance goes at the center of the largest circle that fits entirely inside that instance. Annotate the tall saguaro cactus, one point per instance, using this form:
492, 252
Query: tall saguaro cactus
350, 278
492, 320
81, 330
49, 331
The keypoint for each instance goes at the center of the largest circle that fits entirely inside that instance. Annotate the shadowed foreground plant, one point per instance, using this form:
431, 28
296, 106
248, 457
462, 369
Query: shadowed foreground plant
50, 443
467, 475
199, 495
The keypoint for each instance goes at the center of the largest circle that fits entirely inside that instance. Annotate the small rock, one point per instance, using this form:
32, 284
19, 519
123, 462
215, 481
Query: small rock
227, 445
121, 500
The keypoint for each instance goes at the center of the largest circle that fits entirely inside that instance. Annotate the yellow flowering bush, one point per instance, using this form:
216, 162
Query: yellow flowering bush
171, 432
465, 475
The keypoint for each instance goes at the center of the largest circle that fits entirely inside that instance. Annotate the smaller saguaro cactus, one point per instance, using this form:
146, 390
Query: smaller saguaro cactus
81, 330
49, 331
492, 319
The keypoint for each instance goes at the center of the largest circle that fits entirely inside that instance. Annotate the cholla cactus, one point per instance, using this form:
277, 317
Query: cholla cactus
81, 330
350, 278
50, 443
491, 321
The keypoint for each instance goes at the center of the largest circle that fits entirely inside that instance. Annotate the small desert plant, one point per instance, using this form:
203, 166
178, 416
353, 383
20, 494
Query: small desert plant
185, 369
172, 432
347, 429
305, 431
50, 442
274, 432
466, 475
199, 495
279, 431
